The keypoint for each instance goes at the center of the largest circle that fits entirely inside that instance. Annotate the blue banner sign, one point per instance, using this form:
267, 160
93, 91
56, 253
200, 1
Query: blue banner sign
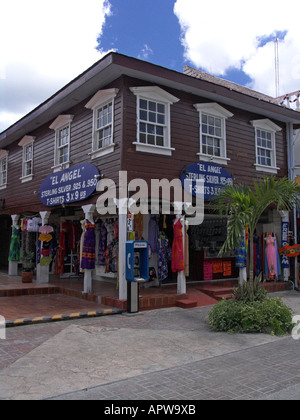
212, 179
284, 241
70, 185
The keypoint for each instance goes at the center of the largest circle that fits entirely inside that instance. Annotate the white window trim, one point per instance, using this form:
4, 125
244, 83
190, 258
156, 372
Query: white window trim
215, 110
25, 142
61, 122
156, 94
266, 125
99, 100
4, 155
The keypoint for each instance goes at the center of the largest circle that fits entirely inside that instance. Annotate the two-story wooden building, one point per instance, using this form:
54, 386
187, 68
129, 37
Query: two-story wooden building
148, 122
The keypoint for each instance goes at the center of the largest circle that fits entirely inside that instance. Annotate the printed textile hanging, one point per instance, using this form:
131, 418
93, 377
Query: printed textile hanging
14, 249
88, 250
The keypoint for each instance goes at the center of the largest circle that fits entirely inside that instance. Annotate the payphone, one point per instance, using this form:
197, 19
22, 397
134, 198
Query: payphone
137, 271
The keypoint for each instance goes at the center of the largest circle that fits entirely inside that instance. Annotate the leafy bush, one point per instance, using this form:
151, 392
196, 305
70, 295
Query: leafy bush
269, 315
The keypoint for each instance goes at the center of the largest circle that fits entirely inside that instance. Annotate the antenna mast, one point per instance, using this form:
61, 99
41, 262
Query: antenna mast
276, 68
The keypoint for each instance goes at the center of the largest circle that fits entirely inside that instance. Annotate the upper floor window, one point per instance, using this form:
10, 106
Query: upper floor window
27, 159
102, 104
62, 127
3, 168
265, 145
212, 120
153, 119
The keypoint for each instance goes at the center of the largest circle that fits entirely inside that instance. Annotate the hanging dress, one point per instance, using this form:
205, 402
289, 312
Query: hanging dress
271, 258
14, 250
242, 251
186, 250
60, 255
88, 250
164, 256
177, 248
110, 232
83, 223
256, 255
153, 232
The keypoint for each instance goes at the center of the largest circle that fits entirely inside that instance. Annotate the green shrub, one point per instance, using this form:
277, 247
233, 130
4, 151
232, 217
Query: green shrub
269, 316
247, 293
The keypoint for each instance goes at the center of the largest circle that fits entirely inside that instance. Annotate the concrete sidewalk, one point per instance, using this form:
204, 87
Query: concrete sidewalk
162, 354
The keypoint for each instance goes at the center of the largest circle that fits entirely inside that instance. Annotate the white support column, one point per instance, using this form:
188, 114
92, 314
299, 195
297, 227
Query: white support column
242, 275
285, 218
13, 265
42, 272
122, 256
88, 274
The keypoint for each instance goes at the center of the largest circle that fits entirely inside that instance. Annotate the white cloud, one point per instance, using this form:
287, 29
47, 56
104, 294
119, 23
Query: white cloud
47, 44
225, 34
145, 52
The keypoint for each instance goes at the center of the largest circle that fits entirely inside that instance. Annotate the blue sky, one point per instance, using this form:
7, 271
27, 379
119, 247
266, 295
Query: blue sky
158, 41
148, 30
47, 44
151, 30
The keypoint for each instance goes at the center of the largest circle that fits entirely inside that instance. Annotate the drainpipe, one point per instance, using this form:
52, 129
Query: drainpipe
291, 172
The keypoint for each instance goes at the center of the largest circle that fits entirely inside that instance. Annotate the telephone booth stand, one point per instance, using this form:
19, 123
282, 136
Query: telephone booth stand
137, 271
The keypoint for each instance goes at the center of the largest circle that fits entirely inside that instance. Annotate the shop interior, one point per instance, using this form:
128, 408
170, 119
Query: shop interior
59, 245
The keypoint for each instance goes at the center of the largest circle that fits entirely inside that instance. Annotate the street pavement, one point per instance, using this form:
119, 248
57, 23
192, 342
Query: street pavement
165, 354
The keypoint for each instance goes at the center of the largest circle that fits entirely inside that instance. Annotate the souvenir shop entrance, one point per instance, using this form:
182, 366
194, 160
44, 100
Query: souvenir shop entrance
202, 244
80, 244
64, 243
70, 244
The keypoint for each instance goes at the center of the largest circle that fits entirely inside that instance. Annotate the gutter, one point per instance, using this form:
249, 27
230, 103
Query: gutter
291, 173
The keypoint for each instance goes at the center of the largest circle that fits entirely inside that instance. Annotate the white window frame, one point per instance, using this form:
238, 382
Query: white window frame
216, 111
27, 141
269, 127
3, 158
99, 101
159, 96
61, 123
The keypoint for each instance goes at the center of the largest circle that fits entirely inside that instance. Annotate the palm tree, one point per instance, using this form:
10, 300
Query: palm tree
244, 207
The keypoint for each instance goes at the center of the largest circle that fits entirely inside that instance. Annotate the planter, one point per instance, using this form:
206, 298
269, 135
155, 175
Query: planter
27, 276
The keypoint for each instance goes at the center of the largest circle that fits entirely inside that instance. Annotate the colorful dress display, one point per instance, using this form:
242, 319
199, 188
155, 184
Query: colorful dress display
14, 250
88, 250
242, 251
59, 259
272, 264
153, 231
177, 247
271, 255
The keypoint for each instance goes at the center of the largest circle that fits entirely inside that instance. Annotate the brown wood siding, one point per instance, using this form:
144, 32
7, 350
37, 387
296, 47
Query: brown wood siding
240, 140
21, 197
